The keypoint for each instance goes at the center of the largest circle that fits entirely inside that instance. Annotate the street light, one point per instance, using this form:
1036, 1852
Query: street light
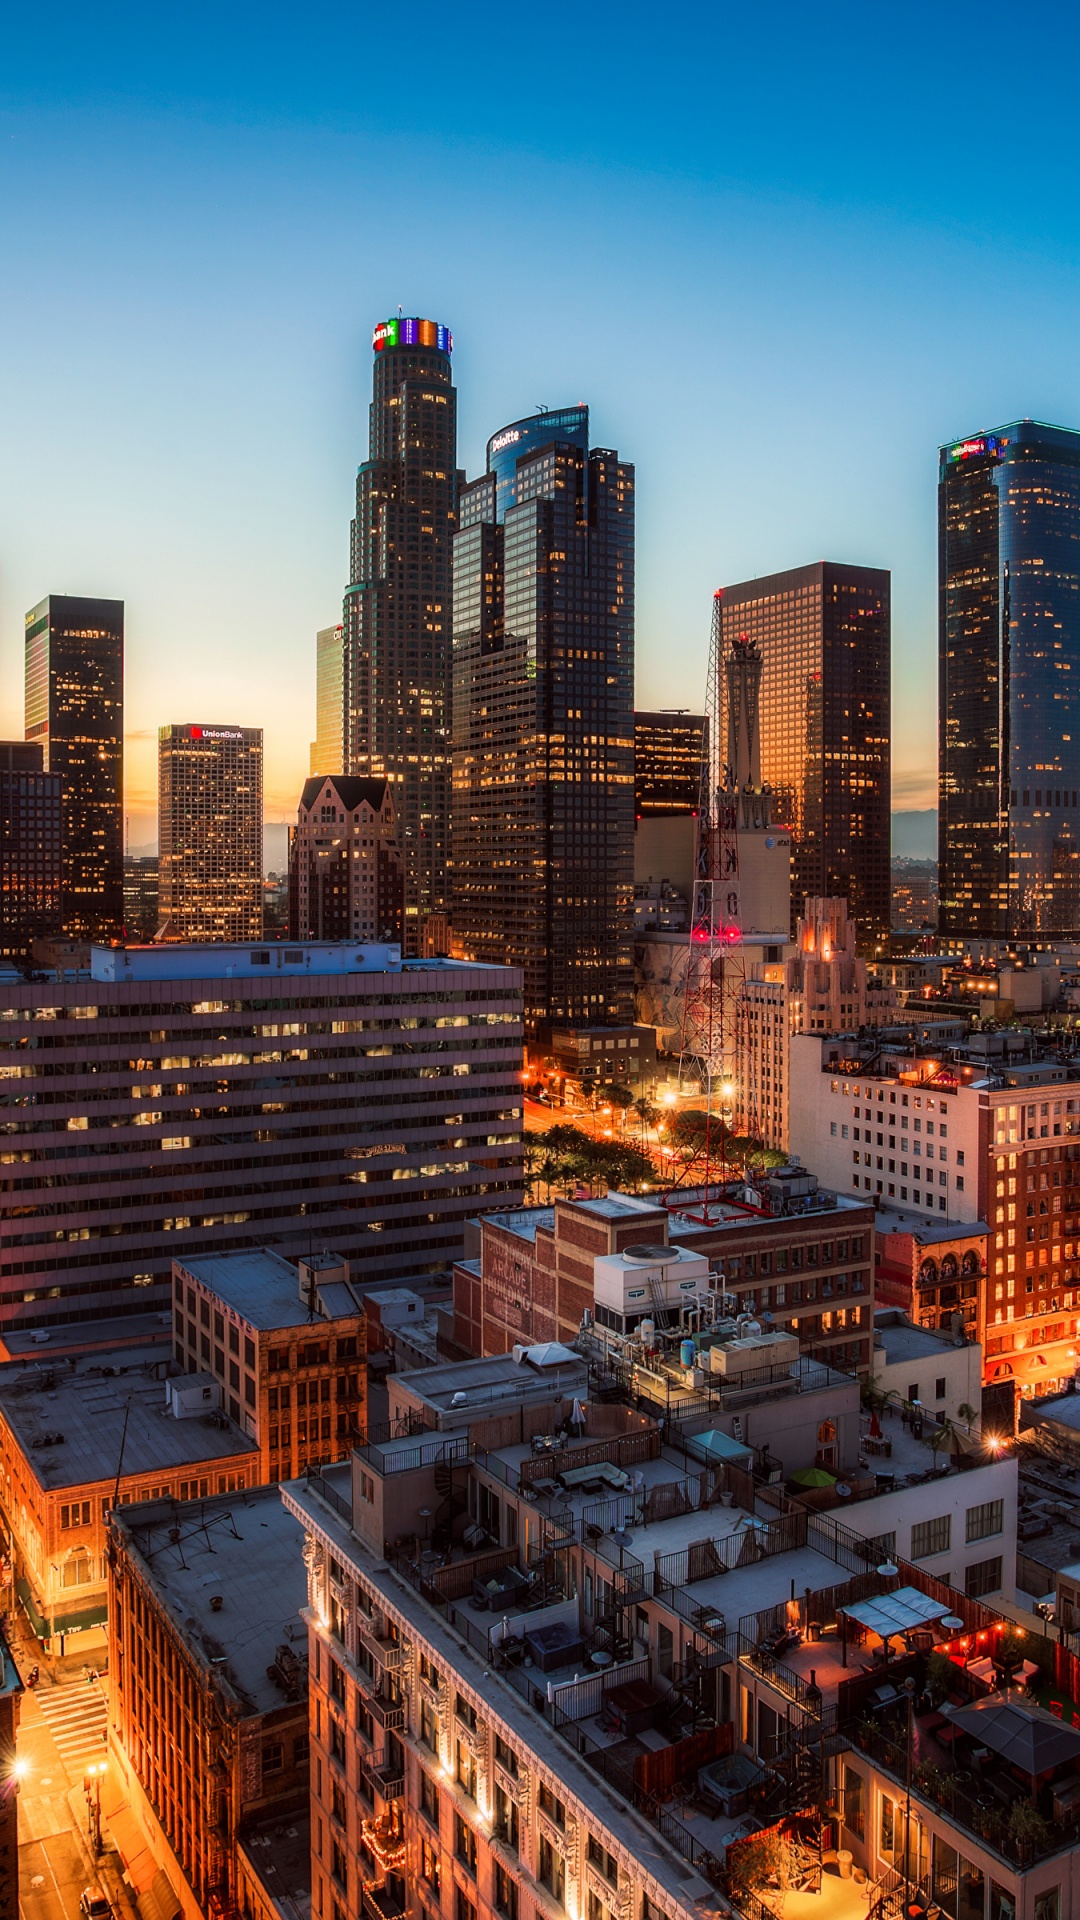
92, 1790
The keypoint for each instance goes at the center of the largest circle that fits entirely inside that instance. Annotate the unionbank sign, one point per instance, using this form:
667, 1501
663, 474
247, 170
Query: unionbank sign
215, 733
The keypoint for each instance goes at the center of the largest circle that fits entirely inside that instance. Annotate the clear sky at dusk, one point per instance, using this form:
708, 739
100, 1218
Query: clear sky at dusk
782, 251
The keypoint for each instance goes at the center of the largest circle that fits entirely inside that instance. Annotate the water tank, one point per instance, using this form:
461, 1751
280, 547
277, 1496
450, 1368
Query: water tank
647, 1331
687, 1353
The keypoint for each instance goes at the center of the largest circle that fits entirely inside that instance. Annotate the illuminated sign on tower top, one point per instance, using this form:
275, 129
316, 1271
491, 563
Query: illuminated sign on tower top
412, 333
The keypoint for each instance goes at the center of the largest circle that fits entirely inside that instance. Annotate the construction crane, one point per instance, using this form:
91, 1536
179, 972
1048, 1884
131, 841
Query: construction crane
715, 967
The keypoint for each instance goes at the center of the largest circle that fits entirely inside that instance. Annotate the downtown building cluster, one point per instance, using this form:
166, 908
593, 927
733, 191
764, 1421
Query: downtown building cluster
637, 1567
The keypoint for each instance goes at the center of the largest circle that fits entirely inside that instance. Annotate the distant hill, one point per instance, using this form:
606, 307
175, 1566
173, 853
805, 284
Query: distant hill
914, 834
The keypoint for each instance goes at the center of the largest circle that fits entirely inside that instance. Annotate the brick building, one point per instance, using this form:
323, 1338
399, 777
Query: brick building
70, 1437
934, 1271
207, 1686
800, 1257
287, 1345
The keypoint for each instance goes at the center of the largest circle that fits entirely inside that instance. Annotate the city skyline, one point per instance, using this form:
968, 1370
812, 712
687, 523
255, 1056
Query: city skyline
202, 209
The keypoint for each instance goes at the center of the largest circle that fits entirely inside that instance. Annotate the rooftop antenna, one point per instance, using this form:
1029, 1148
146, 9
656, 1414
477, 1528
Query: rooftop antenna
540, 407
120, 1460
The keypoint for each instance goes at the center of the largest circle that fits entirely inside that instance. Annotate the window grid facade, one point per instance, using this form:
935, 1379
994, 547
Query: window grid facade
824, 634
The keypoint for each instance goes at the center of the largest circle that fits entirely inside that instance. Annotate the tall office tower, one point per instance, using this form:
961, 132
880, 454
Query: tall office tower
210, 832
543, 720
328, 746
75, 713
31, 849
1009, 697
668, 749
824, 635
397, 608
344, 862
299, 1097
140, 895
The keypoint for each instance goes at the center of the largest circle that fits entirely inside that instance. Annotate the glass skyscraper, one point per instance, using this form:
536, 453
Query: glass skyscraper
1009, 683
75, 714
31, 849
328, 746
824, 635
543, 650
397, 608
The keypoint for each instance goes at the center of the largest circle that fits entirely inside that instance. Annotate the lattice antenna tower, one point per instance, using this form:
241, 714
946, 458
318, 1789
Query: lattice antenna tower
715, 967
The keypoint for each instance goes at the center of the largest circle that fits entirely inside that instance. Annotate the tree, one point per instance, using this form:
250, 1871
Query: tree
939, 1436
967, 1413
647, 1112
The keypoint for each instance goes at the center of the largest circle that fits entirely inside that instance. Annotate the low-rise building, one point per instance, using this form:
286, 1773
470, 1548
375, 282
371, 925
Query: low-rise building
208, 1711
934, 1270
937, 1372
786, 1251
286, 1345
89, 1434
617, 1618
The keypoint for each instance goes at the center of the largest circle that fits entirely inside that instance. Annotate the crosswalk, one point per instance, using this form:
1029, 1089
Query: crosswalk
74, 1713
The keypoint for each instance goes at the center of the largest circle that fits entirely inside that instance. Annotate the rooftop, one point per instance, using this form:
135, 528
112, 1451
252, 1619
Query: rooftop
525, 1726
192, 960
498, 1382
264, 1288
902, 1340
69, 1420
278, 1852
892, 1219
524, 1221
244, 1551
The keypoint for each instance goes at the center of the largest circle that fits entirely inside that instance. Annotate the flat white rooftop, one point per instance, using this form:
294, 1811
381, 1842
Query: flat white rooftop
196, 960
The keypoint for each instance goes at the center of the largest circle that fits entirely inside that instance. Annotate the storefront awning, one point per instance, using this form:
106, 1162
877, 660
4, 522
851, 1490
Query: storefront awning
159, 1902
77, 1622
29, 1605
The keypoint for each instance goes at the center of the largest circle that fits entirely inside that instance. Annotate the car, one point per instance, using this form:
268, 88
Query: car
93, 1905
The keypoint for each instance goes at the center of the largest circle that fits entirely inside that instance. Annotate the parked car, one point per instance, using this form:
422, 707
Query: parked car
93, 1905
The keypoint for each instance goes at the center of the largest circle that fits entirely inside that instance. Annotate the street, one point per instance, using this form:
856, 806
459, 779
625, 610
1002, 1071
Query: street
61, 1735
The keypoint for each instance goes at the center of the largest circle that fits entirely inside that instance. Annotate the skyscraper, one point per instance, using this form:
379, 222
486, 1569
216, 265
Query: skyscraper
31, 849
1009, 683
344, 863
668, 749
75, 713
543, 720
210, 832
328, 746
397, 608
824, 635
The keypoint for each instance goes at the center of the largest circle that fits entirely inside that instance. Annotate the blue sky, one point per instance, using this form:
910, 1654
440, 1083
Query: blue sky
782, 252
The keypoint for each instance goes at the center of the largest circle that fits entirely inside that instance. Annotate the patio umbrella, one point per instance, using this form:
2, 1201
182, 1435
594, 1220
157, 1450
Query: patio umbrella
577, 1416
812, 1477
875, 1426
1025, 1735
